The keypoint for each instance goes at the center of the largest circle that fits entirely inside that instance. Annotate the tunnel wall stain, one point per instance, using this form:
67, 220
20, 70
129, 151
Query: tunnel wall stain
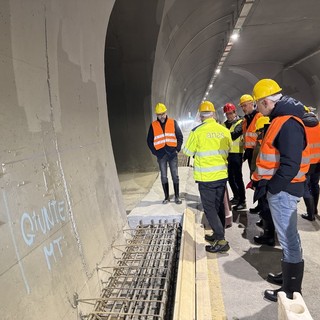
61, 207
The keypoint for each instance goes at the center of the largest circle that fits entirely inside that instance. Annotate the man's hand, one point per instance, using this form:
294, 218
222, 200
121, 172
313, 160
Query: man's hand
247, 154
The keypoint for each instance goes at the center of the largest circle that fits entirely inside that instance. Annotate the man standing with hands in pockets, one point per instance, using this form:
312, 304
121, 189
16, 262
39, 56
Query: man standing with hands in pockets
281, 168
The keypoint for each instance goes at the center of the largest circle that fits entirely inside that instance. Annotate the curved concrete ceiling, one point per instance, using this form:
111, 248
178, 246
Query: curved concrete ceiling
167, 51
278, 39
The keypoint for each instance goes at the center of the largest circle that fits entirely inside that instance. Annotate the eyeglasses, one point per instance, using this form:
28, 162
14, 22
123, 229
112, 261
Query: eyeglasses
246, 104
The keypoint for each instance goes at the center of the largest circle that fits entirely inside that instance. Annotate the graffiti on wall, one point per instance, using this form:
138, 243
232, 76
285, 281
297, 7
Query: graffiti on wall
38, 223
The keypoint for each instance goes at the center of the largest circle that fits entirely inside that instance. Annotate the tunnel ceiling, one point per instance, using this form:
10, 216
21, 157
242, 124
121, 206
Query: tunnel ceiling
278, 39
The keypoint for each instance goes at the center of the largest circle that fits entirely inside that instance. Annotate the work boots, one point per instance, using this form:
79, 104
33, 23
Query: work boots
259, 223
268, 236
292, 274
165, 187
177, 199
275, 278
309, 202
255, 210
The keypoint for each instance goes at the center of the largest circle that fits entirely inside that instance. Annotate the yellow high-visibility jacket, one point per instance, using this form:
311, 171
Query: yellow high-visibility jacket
209, 143
237, 145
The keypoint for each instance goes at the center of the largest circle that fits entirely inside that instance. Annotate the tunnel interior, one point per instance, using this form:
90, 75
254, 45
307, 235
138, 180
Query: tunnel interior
157, 51
77, 97
170, 52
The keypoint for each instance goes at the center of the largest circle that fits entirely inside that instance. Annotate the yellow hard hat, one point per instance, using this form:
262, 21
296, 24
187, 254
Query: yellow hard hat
160, 108
265, 88
261, 122
206, 106
245, 98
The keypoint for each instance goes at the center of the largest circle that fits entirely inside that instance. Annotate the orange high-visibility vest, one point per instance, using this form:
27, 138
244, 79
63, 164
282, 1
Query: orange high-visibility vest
250, 135
268, 159
313, 136
168, 137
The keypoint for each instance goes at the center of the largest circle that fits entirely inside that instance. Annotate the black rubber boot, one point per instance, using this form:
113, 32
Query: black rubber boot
272, 295
268, 236
292, 279
275, 278
259, 223
309, 202
177, 199
165, 187
255, 210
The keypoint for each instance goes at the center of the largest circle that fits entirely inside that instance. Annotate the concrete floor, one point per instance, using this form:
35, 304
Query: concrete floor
243, 269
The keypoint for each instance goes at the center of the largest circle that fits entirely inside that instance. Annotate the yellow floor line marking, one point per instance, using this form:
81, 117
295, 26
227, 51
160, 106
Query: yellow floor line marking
217, 304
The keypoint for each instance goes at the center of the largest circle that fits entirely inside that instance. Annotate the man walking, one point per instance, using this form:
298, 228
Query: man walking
209, 144
281, 168
164, 140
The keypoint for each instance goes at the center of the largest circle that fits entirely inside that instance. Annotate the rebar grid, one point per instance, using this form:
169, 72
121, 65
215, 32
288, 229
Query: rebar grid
141, 283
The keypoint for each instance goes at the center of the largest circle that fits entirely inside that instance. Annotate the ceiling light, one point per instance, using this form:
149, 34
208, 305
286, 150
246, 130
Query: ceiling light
235, 36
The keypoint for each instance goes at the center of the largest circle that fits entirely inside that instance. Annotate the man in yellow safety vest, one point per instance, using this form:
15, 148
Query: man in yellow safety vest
209, 144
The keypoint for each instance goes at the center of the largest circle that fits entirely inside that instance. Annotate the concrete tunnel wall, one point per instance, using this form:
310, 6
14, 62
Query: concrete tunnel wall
130, 52
61, 206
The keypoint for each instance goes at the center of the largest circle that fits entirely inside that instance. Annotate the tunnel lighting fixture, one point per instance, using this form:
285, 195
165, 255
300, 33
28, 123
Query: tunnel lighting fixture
233, 38
235, 35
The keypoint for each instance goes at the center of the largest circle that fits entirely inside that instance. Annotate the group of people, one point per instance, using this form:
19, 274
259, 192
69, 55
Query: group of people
280, 139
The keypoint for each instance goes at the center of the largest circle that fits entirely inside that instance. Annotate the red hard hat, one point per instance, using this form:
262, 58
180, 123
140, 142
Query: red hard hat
229, 107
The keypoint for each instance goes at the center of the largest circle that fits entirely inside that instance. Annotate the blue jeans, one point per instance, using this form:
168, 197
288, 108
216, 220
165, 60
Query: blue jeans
163, 165
283, 207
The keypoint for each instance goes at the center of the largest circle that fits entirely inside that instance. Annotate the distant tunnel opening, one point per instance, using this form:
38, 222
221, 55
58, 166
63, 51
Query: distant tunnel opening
129, 57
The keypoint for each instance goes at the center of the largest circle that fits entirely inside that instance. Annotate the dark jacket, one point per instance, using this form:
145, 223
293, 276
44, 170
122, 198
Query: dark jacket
290, 142
249, 117
170, 151
237, 130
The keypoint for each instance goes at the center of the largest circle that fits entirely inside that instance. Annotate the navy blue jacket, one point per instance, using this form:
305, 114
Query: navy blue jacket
170, 151
290, 141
